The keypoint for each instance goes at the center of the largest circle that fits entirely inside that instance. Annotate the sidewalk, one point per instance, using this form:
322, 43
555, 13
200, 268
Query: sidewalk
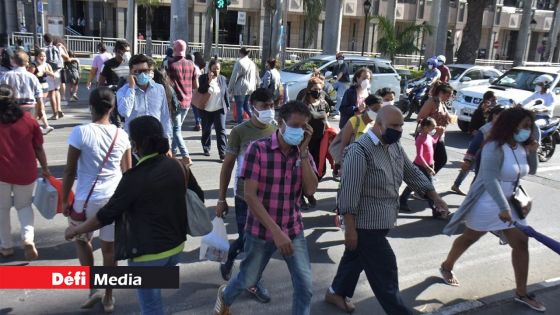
547, 292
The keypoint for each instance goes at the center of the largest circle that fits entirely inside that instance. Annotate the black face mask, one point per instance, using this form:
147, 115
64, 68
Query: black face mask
391, 136
315, 94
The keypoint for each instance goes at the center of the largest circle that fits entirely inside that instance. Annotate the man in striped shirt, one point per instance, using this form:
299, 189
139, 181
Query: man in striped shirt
276, 171
374, 168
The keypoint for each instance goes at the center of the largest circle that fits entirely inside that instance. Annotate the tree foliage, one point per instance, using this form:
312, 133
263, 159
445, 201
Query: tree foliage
149, 6
468, 49
395, 42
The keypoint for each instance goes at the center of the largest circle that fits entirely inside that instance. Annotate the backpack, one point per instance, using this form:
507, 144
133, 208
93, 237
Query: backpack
54, 59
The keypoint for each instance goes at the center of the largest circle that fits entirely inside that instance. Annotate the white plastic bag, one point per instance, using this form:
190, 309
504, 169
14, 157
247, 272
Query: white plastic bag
45, 199
215, 246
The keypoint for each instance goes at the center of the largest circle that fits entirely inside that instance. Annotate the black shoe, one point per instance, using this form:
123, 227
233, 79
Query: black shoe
225, 270
222, 157
312, 201
404, 207
206, 153
304, 204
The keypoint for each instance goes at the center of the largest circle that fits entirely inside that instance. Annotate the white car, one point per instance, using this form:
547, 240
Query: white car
463, 75
515, 85
295, 77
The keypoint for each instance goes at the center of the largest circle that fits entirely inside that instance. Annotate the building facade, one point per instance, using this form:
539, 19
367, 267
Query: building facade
500, 28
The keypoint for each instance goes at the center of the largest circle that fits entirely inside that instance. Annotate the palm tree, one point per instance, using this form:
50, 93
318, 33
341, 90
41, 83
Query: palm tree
210, 12
471, 34
312, 9
551, 46
149, 6
269, 11
396, 42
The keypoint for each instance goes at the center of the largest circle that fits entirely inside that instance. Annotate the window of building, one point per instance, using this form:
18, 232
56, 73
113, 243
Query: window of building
498, 16
421, 4
462, 10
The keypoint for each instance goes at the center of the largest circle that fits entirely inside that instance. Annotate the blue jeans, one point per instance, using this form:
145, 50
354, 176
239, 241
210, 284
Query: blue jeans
241, 218
258, 253
150, 299
340, 88
197, 118
375, 256
242, 103
178, 142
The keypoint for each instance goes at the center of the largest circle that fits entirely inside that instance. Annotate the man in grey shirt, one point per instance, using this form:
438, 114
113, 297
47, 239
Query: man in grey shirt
374, 168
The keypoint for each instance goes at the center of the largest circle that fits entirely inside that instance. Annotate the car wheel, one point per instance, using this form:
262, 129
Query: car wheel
464, 125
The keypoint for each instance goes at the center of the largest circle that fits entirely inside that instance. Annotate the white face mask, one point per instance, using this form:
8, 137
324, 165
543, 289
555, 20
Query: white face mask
538, 88
365, 84
126, 57
265, 117
388, 103
430, 67
340, 61
371, 115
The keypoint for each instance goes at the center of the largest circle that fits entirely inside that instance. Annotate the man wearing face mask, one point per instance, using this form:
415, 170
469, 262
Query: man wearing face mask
387, 95
373, 170
546, 96
141, 96
342, 76
115, 70
261, 125
432, 74
277, 170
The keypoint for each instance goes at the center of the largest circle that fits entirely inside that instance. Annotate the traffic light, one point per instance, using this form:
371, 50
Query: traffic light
222, 4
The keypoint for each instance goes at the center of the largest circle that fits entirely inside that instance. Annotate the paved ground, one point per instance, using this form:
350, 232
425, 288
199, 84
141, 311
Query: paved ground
485, 271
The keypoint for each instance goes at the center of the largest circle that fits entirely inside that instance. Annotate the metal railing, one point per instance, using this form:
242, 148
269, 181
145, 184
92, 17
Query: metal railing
88, 45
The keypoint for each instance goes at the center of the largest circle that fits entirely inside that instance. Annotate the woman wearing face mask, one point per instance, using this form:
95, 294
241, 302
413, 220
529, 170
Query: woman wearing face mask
387, 95
509, 154
353, 100
214, 114
435, 107
480, 115
357, 126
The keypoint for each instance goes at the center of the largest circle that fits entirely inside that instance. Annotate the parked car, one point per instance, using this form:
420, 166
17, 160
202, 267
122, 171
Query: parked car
296, 76
463, 75
515, 85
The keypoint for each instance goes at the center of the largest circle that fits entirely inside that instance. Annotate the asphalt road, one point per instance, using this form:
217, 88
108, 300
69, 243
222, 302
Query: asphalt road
485, 269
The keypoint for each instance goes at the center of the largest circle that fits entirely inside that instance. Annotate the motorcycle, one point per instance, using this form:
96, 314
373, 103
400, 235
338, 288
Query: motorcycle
549, 134
414, 97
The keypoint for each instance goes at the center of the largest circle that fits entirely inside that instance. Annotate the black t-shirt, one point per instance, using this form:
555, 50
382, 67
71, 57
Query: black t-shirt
114, 71
345, 72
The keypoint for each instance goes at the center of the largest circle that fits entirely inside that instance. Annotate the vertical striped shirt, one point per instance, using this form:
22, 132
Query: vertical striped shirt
372, 175
27, 86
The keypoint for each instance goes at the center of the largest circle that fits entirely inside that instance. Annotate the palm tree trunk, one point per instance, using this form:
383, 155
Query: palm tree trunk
332, 27
553, 40
208, 29
471, 34
267, 32
523, 37
149, 18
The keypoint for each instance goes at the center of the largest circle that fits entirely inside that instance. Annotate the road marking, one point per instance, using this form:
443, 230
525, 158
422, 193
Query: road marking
547, 169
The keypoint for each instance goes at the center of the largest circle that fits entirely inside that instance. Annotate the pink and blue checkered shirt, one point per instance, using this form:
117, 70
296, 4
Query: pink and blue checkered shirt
280, 187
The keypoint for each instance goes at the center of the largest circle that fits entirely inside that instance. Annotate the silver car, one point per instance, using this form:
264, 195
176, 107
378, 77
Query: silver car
295, 77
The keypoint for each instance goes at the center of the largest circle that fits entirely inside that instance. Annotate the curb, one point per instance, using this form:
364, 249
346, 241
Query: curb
500, 298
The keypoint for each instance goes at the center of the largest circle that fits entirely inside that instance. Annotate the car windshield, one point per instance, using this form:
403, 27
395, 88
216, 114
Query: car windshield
456, 72
519, 79
306, 66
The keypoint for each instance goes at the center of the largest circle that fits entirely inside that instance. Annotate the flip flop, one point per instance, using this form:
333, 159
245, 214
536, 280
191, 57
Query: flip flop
93, 299
522, 299
445, 279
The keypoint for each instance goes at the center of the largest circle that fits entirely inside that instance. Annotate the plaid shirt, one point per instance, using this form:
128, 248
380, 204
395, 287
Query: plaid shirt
183, 75
280, 180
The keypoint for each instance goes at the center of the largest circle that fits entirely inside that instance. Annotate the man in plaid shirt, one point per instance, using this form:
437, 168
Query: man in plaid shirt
277, 170
184, 77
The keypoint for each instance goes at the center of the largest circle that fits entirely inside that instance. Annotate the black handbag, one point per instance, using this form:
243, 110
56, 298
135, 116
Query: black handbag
520, 200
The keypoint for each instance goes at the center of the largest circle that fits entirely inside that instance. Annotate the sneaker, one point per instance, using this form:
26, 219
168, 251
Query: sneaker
220, 308
75, 98
206, 153
259, 293
225, 270
335, 117
343, 304
47, 130
30, 251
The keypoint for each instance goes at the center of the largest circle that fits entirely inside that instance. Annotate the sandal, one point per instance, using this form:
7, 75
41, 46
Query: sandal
110, 306
530, 301
94, 298
448, 277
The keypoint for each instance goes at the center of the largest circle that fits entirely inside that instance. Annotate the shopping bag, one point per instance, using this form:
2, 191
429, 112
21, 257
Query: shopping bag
57, 184
215, 246
45, 198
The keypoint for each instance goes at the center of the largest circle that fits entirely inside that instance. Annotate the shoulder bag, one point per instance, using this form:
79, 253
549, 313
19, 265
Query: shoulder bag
198, 219
200, 100
520, 201
81, 216
334, 148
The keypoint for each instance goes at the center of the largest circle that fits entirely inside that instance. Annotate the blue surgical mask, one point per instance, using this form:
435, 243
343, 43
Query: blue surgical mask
522, 135
391, 136
143, 78
293, 136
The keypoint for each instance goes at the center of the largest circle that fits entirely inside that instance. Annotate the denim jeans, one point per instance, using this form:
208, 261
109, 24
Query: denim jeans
150, 299
242, 103
375, 256
218, 120
258, 253
340, 88
178, 142
241, 218
197, 118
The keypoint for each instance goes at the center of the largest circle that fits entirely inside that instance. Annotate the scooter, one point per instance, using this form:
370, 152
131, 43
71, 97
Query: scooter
414, 98
549, 134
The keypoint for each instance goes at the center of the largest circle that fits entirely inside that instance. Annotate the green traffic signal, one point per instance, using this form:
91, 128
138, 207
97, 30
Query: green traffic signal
222, 4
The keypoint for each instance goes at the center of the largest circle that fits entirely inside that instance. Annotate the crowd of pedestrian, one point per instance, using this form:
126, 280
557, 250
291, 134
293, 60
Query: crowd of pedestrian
133, 150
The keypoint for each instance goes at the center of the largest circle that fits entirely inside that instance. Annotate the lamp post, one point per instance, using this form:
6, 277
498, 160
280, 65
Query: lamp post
367, 7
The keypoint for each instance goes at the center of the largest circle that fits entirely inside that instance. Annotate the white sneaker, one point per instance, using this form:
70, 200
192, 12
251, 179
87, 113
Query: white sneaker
47, 130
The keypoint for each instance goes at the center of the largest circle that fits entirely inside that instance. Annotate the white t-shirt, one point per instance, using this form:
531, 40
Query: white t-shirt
215, 100
548, 99
94, 140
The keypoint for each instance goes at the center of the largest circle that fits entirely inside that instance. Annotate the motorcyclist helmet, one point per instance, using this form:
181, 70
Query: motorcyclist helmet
544, 80
432, 62
441, 58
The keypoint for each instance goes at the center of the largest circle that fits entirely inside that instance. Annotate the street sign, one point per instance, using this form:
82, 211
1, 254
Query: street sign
241, 18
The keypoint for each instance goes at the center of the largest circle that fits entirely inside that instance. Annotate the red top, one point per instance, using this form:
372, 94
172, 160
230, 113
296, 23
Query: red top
183, 75
17, 150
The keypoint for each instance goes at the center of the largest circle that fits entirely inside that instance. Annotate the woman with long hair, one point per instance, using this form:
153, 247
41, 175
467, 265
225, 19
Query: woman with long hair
509, 154
21, 144
353, 99
98, 153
